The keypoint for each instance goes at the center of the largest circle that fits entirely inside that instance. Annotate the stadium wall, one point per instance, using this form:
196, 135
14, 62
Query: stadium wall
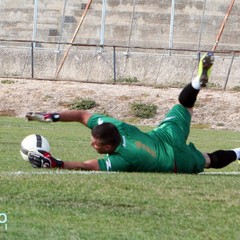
142, 29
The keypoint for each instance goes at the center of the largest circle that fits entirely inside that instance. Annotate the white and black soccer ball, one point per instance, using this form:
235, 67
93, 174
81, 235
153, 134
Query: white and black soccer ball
33, 143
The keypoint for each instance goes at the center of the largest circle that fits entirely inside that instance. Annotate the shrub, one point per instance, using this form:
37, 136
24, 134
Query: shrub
7, 81
127, 79
143, 110
236, 88
83, 104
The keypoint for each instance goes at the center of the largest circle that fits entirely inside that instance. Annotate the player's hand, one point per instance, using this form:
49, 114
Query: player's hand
42, 117
44, 159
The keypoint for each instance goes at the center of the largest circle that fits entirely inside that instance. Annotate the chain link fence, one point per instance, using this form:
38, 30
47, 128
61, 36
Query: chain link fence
116, 64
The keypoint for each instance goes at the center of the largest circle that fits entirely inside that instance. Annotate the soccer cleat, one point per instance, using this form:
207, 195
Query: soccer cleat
205, 67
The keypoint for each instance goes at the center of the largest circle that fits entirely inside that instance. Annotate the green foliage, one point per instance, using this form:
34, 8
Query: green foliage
236, 89
7, 81
83, 104
58, 204
214, 85
143, 110
127, 79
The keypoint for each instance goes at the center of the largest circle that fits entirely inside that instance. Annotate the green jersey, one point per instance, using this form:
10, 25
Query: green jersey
154, 151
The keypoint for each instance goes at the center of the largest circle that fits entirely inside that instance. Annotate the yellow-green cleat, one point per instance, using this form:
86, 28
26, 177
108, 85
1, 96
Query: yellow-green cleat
205, 68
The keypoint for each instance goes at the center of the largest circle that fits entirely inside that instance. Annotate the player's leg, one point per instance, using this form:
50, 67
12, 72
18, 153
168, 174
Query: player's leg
221, 158
188, 95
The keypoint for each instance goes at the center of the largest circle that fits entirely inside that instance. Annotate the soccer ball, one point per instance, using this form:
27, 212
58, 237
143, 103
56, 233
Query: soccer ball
33, 143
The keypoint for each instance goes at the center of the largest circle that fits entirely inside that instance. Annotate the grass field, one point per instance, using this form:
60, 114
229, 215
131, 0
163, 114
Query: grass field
48, 204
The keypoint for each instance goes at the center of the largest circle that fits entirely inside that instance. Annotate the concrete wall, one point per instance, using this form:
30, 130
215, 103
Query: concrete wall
150, 21
146, 25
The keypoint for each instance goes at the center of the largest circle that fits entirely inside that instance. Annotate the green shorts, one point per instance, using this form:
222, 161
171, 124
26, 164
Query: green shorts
176, 127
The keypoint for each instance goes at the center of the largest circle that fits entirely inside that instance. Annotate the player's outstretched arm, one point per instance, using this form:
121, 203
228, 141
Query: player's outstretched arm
91, 165
65, 116
46, 160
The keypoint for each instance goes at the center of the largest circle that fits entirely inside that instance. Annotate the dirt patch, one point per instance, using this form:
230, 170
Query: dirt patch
216, 109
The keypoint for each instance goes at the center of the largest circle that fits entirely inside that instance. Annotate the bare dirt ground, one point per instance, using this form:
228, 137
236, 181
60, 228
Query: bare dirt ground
216, 109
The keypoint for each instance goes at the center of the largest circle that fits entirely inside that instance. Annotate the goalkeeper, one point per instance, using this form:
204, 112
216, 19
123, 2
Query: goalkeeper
126, 148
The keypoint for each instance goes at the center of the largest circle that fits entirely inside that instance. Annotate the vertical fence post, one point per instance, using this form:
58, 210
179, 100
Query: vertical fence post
171, 35
114, 64
229, 70
32, 58
201, 29
35, 20
62, 24
102, 33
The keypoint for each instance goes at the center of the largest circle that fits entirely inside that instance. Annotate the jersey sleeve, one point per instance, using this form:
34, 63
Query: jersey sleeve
97, 119
114, 163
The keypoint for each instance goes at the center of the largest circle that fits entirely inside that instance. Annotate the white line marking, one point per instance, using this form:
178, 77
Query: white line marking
57, 172
67, 172
219, 173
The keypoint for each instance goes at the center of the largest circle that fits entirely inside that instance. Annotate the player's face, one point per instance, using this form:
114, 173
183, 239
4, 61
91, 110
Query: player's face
98, 146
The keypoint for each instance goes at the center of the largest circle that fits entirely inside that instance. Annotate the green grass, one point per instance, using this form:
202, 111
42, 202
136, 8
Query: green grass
112, 205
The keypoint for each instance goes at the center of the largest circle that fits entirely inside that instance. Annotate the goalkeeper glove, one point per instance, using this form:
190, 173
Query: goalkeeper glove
42, 117
44, 160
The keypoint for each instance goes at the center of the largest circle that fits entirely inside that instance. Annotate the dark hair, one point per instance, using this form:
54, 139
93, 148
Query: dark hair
107, 133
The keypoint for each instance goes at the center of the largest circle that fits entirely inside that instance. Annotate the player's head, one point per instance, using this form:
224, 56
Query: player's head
105, 138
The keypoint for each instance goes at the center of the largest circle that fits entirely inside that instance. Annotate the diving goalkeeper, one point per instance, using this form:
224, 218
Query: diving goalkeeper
126, 148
